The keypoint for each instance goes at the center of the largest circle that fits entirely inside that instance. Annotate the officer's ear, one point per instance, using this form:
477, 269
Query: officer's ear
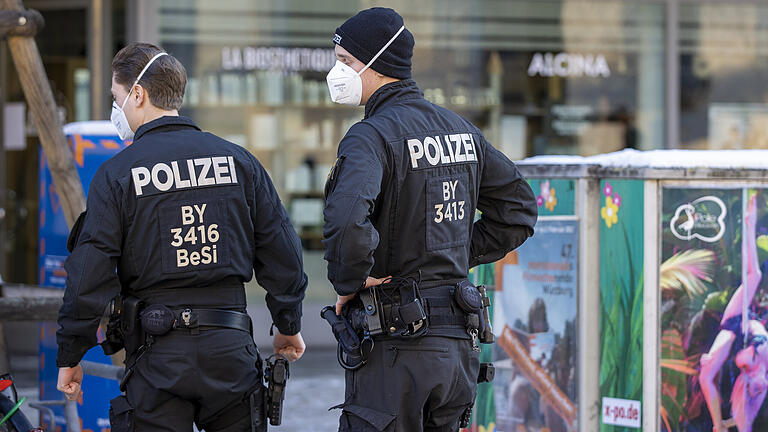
140, 95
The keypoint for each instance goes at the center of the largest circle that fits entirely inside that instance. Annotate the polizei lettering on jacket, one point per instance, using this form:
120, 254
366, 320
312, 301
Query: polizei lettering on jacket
190, 173
432, 151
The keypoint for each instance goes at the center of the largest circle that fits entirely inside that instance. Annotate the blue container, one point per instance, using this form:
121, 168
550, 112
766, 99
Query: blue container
92, 143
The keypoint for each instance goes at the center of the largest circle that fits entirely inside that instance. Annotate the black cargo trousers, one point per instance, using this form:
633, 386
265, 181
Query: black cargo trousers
416, 385
205, 378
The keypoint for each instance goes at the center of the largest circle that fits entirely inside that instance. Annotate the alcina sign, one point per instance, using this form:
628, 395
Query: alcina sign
569, 65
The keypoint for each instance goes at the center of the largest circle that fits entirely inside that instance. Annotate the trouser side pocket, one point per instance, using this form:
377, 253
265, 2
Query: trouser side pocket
121, 415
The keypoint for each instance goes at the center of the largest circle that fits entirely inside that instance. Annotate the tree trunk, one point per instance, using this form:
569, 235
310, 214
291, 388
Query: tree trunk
37, 92
39, 96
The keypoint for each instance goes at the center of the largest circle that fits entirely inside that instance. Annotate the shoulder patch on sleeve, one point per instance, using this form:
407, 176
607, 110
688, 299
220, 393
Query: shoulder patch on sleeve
74, 234
333, 175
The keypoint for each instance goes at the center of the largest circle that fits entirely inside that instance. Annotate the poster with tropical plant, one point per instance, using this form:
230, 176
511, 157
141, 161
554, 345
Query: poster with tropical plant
714, 304
621, 293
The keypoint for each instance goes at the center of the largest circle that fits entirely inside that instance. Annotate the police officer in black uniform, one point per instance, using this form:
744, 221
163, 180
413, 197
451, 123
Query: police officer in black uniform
400, 201
177, 222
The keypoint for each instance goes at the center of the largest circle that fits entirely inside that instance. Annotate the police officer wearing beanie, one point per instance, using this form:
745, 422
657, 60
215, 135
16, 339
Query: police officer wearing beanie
177, 222
401, 201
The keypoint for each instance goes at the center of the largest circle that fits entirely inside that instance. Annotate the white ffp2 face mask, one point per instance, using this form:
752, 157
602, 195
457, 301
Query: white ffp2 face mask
117, 117
345, 85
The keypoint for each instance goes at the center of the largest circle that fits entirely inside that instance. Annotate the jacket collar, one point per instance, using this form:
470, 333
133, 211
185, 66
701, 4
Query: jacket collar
162, 122
391, 93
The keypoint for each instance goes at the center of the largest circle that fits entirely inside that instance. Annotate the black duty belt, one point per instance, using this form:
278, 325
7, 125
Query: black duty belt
157, 320
191, 319
443, 283
441, 309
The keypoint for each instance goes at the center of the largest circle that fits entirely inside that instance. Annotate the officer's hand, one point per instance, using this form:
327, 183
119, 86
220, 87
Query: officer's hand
369, 282
341, 300
290, 347
70, 381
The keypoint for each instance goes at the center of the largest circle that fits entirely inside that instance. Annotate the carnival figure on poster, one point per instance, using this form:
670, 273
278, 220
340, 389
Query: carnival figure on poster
526, 409
535, 387
741, 342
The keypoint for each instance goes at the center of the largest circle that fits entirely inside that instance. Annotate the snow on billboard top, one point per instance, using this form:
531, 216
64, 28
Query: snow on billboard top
663, 159
91, 128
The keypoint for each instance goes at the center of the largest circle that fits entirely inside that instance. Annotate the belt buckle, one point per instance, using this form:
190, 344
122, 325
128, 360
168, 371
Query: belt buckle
189, 318
186, 316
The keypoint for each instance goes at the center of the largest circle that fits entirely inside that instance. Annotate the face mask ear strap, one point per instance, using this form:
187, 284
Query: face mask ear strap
158, 55
381, 50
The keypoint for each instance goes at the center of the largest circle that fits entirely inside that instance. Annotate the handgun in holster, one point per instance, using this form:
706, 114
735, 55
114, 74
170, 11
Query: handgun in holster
123, 329
113, 337
486, 333
466, 416
276, 374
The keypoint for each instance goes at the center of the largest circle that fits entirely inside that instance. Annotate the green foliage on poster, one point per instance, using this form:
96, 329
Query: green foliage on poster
621, 292
484, 413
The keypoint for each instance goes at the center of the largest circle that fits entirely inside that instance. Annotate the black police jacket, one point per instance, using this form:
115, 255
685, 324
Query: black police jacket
178, 212
401, 197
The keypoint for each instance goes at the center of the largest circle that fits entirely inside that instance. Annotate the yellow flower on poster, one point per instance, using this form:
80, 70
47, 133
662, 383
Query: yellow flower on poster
551, 200
610, 213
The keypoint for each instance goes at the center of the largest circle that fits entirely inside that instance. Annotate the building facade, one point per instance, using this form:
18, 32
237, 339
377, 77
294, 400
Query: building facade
537, 76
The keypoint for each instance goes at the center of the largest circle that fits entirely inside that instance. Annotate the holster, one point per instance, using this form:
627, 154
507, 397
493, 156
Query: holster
257, 405
114, 340
131, 324
123, 329
276, 373
399, 307
466, 416
252, 405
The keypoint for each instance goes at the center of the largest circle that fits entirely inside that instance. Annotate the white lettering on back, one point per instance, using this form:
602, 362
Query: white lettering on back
200, 211
456, 138
191, 168
232, 170
430, 143
441, 150
159, 184
469, 146
141, 178
180, 184
172, 175
203, 179
187, 215
221, 172
417, 151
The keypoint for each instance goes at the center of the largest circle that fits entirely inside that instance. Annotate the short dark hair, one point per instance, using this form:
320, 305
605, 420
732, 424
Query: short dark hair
165, 79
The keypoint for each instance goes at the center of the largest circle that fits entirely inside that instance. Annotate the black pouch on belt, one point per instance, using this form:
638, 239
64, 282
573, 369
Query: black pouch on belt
157, 319
471, 302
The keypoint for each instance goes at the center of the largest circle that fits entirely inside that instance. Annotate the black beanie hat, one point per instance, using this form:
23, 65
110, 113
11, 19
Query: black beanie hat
366, 33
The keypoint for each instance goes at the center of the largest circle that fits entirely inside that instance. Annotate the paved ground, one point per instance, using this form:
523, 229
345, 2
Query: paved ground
316, 384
